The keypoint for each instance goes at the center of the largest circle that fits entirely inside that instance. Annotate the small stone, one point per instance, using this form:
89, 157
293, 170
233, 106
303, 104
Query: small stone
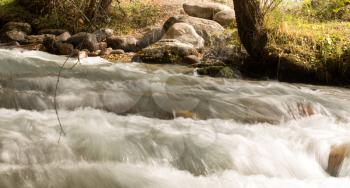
81, 54
102, 45
64, 48
118, 51
63, 37
106, 51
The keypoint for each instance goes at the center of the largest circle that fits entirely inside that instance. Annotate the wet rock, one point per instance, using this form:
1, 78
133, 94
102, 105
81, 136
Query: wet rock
64, 48
127, 43
95, 53
103, 34
211, 31
336, 158
84, 40
185, 33
219, 71
13, 35
167, 51
9, 44
50, 45
151, 37
225, 17
191, 60
204, 10
17, 26
63, 37
81, 54
52, 31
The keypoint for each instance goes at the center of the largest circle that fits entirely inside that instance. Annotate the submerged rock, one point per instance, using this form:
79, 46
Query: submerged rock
185, 33
204, 10
84, 40
219, 71
336, 158
167, 51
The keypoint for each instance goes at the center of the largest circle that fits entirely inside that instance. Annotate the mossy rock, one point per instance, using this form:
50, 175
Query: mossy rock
219, 71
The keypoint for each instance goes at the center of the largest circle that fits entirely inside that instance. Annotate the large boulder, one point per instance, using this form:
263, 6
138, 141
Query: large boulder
84, 40
225, 17
204, 10
185, 33
209, 30
151, 37
126, 43
63, 37
17, 26
336, 157
167, 51
103, 34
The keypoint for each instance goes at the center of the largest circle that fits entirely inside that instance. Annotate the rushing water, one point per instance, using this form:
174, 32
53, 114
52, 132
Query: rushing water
127, 126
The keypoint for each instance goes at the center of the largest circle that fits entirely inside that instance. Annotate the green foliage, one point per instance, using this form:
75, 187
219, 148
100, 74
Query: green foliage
137, 14
325, 10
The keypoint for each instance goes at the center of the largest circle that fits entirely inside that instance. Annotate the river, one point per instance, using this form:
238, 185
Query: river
148, 126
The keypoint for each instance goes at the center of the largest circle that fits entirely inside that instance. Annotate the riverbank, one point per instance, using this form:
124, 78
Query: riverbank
299, 50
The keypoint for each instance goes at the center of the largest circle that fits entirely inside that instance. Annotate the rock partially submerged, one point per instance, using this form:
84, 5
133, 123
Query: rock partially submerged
167, 51
336, 158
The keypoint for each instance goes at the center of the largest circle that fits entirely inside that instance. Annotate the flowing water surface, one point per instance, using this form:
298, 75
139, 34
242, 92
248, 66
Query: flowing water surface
134, 125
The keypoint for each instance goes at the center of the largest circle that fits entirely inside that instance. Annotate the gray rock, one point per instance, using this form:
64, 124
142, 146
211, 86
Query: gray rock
17, 26
13, 35
151, 37
185, 33
167, 51
103, 34
204, 10
225, 17
127, 43
209, 30
84, 40
64, 48
52, 31
63, 37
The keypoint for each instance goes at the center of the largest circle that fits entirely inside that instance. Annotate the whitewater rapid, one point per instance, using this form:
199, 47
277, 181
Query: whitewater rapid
128, 126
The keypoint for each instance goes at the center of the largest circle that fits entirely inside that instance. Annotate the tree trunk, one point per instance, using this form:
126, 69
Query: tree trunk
250, 23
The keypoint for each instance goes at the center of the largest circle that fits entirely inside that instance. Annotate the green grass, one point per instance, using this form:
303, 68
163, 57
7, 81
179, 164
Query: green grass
317, 45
